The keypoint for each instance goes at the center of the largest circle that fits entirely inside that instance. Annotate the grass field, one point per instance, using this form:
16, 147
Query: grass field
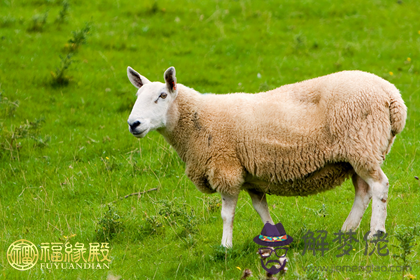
65, 149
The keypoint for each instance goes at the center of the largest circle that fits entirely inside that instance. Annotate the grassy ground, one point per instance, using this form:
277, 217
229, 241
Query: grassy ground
65, 150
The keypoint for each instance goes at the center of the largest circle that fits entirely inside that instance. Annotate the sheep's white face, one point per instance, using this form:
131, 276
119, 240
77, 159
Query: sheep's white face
153, 101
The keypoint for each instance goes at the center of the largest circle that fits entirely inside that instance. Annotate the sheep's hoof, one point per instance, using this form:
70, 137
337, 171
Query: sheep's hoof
379, 233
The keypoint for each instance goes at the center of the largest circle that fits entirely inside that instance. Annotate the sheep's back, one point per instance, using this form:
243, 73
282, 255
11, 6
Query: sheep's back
292, 131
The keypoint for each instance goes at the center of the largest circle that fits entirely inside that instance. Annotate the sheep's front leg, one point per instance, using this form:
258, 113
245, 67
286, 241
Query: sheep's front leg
228, 214
259, 201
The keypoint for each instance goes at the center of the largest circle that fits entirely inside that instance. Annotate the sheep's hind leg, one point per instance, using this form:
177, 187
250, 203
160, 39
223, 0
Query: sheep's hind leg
228, 214
361, 201
259, 201
379, 186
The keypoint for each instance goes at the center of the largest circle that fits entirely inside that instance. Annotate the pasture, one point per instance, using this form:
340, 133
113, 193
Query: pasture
67, 157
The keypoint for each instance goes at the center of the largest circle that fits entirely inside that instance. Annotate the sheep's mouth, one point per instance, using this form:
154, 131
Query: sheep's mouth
140, 134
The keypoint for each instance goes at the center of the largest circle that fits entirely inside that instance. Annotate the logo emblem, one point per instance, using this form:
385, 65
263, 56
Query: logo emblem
22, 254
273, 236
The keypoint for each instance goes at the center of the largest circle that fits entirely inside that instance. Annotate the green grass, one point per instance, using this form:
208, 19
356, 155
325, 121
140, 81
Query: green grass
65, 150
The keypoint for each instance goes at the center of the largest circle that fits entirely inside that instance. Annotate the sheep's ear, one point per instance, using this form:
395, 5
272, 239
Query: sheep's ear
135, 78
170, 79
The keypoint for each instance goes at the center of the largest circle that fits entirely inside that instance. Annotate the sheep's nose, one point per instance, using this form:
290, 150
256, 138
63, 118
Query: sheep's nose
134, 125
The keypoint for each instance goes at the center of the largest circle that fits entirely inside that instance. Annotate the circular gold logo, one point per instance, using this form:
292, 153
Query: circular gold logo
22, 254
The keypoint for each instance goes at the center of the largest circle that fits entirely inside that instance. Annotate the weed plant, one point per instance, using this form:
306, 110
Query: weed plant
79, 38
38, 23
63, 14
109, 225
406, 237
59, 76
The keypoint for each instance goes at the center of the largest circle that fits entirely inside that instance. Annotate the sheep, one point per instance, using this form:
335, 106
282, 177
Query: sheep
296, 140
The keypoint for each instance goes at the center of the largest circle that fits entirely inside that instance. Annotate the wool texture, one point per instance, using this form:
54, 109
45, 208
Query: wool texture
298, 139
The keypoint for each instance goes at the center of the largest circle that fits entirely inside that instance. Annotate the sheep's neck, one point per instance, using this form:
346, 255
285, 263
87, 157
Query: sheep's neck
179, 125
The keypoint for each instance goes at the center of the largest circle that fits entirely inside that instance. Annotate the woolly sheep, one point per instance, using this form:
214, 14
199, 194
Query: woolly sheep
296, 140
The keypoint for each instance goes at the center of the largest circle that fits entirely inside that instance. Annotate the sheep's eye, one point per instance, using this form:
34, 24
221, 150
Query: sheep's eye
163, 95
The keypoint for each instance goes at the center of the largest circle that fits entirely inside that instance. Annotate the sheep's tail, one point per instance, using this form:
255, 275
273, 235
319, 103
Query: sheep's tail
397, 111
397, 114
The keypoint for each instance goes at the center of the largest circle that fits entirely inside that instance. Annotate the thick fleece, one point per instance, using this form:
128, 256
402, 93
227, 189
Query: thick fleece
298, 139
